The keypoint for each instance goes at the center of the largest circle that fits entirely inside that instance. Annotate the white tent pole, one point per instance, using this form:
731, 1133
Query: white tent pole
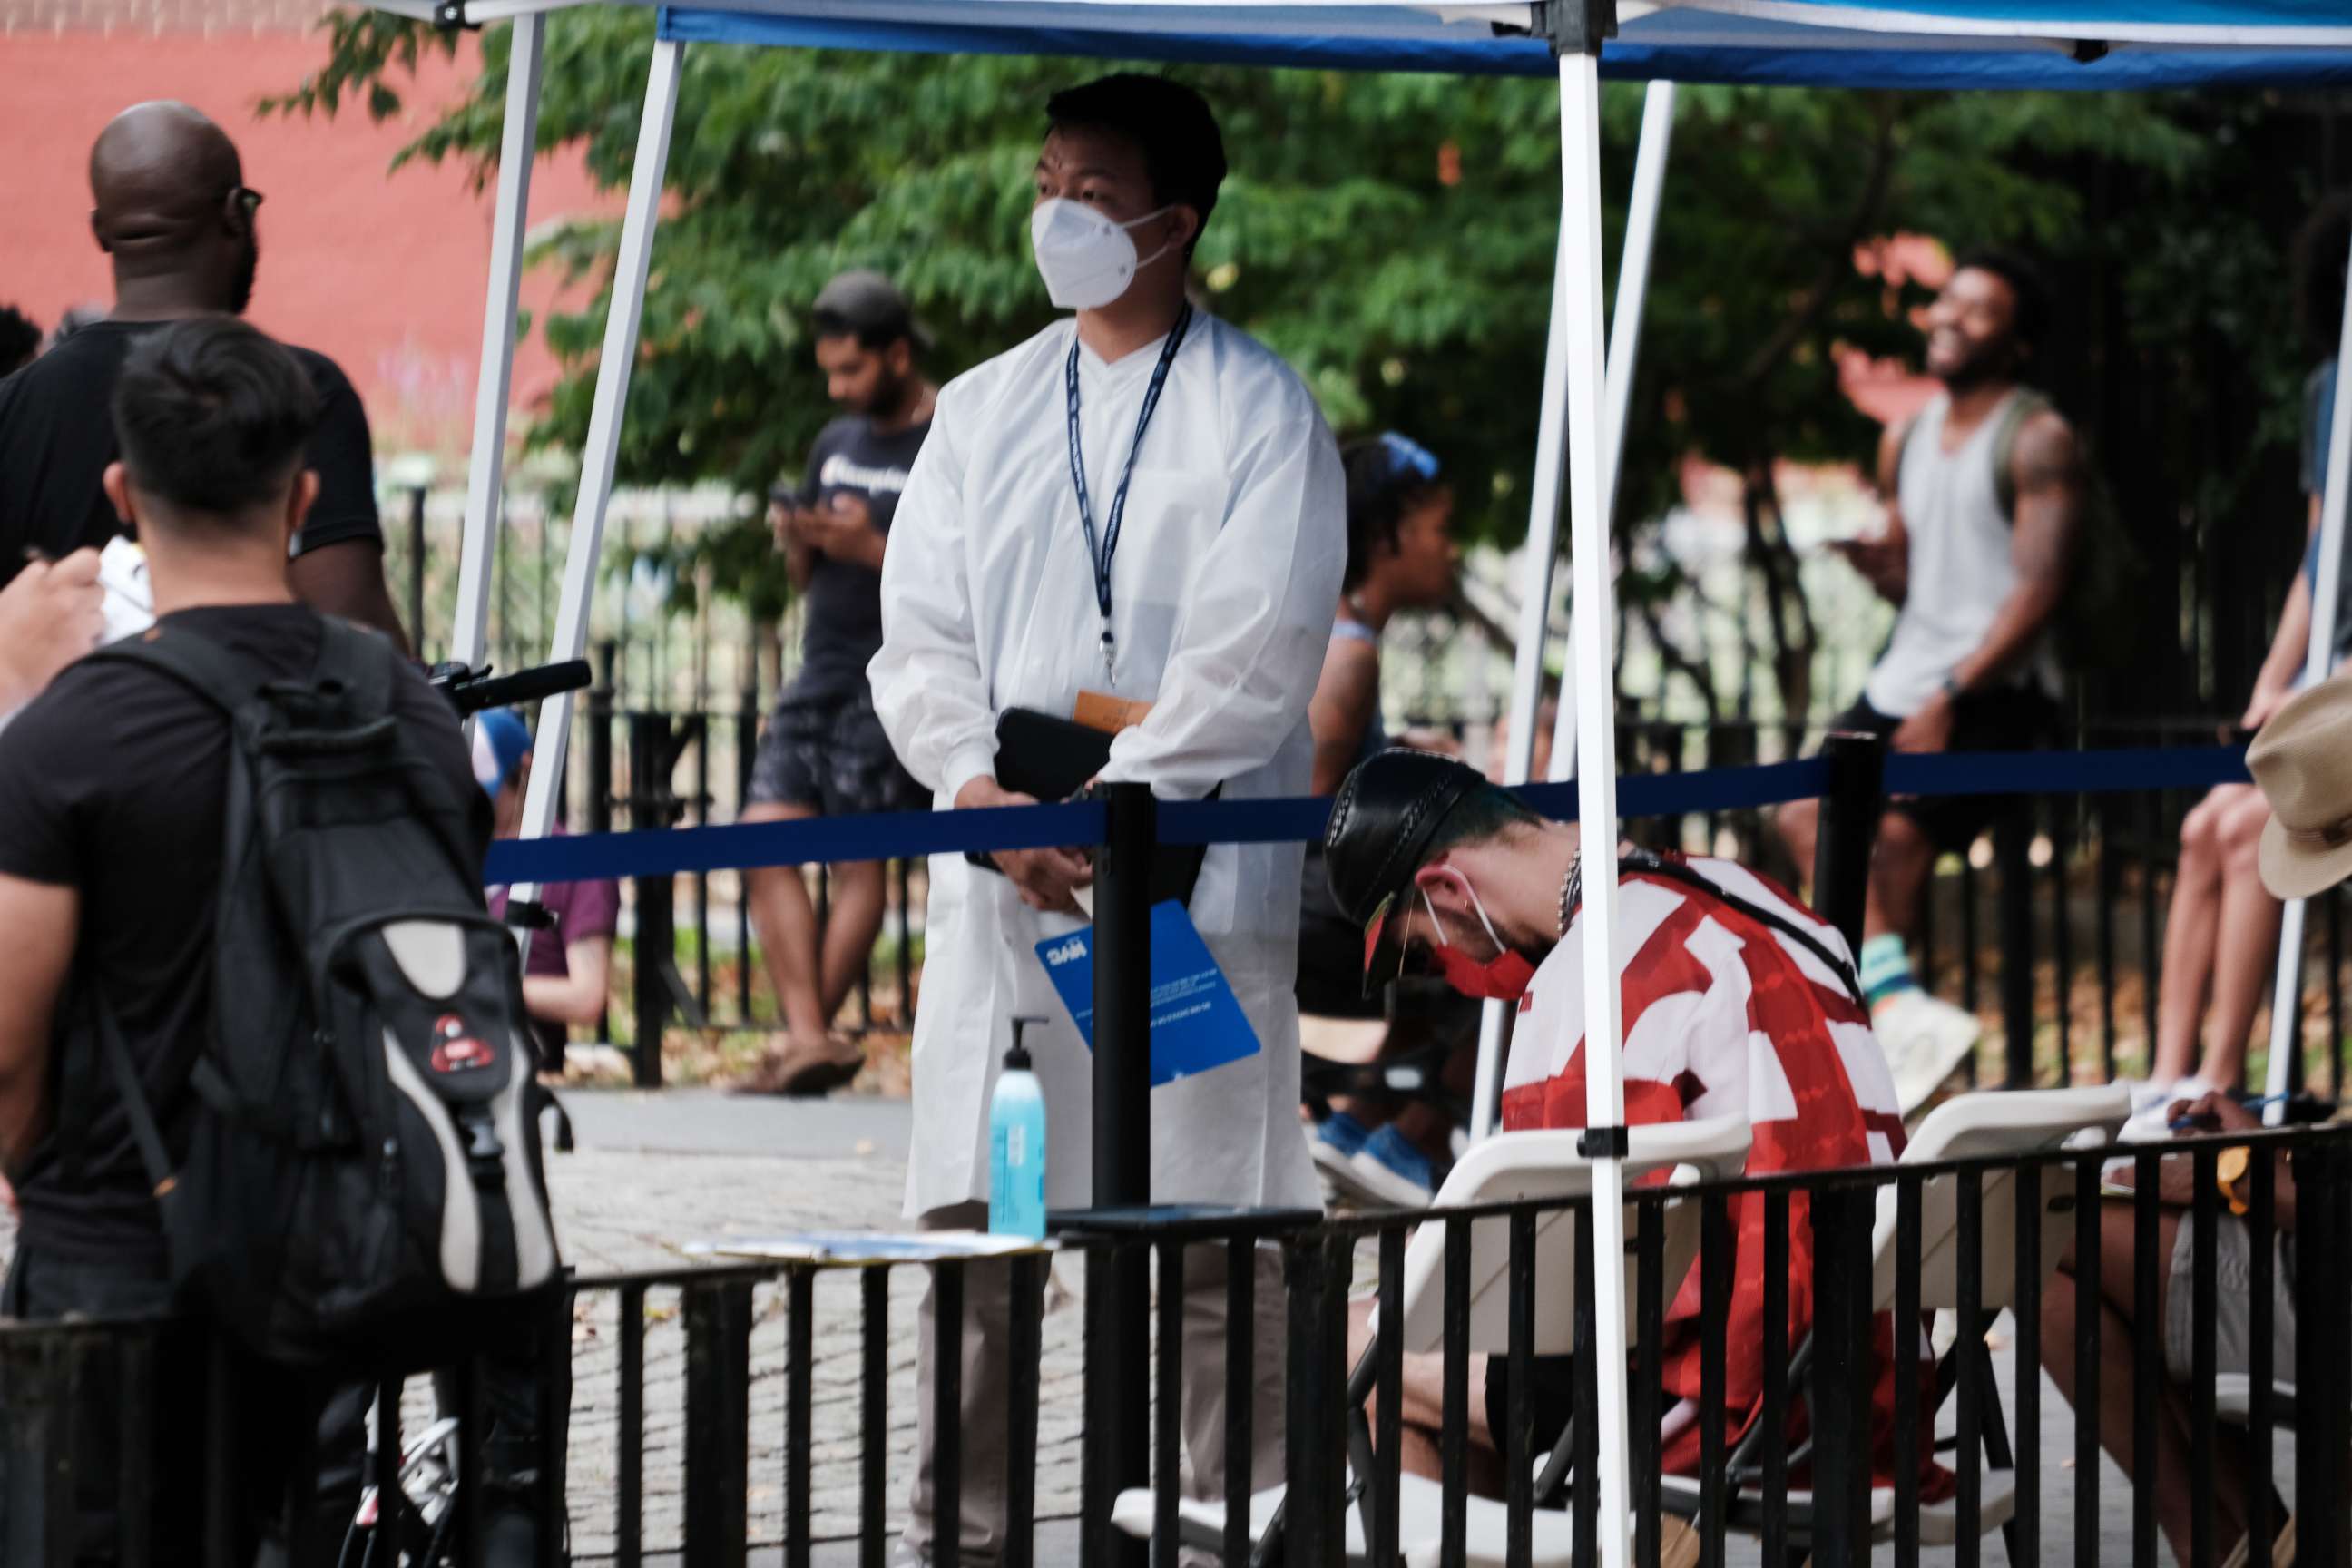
2286, 996
1526, 669
1591, 667
597, 457
1624, 351
486, 466
1527, 675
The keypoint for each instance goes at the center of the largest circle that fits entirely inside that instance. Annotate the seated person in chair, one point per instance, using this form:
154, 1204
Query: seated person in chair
2297, 761
571, 964
1401, 557
1438, 866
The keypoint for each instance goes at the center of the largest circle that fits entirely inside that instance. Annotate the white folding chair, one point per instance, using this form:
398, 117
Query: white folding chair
1509, 1167
1988, 1124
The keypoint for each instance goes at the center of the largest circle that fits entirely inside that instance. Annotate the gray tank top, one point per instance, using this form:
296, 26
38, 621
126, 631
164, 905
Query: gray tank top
1960, 566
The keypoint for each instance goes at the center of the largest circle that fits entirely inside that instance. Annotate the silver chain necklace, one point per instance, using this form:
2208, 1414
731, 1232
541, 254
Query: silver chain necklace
1571, 892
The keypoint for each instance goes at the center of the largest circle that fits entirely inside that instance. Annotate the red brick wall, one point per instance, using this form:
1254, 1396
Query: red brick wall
384, 272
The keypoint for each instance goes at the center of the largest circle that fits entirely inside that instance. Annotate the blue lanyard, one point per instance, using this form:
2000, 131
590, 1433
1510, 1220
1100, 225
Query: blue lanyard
1100, 552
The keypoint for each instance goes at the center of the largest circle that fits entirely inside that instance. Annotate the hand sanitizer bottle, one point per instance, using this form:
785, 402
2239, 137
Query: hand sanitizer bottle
1016, 1146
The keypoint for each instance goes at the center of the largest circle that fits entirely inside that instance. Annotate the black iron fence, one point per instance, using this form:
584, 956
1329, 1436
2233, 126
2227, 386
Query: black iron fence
1971, 1243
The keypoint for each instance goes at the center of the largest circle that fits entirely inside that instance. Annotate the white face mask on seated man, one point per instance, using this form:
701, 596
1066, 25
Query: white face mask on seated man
1087, 259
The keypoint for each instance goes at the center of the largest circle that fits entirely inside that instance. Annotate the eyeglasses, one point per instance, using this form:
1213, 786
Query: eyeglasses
244, 200
1407, 455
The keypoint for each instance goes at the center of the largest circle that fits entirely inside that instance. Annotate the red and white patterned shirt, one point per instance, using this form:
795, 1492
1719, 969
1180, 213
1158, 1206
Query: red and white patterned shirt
1724, 1015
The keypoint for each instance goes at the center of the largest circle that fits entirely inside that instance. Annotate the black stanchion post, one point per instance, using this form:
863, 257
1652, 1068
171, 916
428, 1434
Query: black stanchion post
2013, 839
417, 569
656, 937
1849, 827
1121, 1402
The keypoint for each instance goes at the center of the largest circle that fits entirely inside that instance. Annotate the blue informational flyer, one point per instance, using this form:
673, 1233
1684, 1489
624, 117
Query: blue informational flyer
1196, 1022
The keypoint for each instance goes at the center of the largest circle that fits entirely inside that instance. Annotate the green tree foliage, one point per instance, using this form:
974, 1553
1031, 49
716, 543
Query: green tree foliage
1393, 235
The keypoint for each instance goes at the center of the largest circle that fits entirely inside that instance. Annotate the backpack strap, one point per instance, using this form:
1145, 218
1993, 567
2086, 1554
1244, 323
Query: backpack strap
2022, 406
204, 666
361, 662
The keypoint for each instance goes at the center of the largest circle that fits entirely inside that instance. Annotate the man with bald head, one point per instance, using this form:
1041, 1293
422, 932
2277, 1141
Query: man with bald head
171, 209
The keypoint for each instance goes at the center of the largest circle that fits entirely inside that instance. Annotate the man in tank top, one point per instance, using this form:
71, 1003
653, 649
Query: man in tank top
1978, 561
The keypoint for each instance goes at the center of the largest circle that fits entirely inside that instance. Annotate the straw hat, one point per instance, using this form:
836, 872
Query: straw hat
2303, 761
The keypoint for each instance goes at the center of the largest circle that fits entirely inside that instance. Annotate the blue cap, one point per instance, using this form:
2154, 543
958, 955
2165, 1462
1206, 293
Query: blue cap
501, 740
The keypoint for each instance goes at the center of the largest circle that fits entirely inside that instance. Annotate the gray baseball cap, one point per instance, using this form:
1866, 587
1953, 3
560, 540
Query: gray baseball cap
870, 305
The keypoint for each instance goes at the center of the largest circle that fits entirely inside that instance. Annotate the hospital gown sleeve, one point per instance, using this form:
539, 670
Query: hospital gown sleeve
1255, 623
929, 689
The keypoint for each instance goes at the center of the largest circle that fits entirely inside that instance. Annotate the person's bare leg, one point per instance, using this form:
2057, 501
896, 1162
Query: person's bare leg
2246, 945
1420, 1412
852, 923
2119, 1376
1799, 823
2190, 926
1898, 873
785, 920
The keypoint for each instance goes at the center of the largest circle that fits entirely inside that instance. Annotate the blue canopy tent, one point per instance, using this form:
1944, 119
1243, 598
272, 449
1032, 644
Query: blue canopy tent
1997, 44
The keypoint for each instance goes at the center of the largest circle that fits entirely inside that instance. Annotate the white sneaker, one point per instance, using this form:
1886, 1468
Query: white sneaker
2152, 1103
1925, 1040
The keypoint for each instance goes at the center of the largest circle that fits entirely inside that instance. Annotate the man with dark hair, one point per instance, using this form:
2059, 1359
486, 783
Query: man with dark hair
1440, 871
1984, 496
20, 340
171, 209
825, 754
1135, 520
112, 788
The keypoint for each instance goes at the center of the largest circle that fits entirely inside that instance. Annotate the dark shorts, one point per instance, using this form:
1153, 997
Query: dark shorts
2006, 718
824, 750
1554, 1401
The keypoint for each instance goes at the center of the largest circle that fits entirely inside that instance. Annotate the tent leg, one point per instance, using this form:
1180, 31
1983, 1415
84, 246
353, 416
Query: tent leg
1527, 667
1527, 675
2327, 608
603, 447
1624, 348
486, 466
1592, 666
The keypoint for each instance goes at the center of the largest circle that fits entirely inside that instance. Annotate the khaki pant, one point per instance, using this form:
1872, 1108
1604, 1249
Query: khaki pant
988, 1310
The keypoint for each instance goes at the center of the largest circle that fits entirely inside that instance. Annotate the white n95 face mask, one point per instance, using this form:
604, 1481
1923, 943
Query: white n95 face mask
1086, 260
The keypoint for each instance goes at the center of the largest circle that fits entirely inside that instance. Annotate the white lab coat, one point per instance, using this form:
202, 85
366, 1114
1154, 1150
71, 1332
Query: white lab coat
1227, 571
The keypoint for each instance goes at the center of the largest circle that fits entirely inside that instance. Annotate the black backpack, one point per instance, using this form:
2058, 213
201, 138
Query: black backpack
361, 1179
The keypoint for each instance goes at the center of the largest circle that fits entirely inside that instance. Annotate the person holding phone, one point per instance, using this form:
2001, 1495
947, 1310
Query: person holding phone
825, 754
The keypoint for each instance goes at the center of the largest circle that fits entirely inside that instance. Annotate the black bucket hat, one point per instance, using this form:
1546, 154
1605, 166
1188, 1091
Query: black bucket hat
1383, 821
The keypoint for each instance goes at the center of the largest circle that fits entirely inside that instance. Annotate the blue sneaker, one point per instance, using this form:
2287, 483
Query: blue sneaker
1337, 1138
1393, 1167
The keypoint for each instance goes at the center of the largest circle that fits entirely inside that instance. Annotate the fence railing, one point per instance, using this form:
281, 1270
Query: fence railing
727, 1394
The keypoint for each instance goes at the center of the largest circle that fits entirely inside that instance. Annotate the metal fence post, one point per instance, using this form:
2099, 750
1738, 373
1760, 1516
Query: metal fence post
1841, 1378
1315, 1521
718, 1421
2012, 836
1849, 827
1122, 1134
656, 937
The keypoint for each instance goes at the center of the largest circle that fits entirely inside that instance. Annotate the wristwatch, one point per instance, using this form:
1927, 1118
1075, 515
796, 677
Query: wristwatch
1952, 688
2228, 1170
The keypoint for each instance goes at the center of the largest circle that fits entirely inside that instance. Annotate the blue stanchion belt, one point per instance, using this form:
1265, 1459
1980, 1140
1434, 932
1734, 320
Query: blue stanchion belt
893, 835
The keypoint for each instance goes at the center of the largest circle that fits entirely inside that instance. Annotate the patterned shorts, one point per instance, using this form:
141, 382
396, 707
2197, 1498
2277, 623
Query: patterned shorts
824, 749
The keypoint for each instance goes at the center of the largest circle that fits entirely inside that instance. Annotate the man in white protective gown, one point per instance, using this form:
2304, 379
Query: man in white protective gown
1141, 503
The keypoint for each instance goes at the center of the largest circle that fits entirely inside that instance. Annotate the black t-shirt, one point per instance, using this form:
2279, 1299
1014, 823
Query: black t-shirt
845, 600
57, 437
113, 782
